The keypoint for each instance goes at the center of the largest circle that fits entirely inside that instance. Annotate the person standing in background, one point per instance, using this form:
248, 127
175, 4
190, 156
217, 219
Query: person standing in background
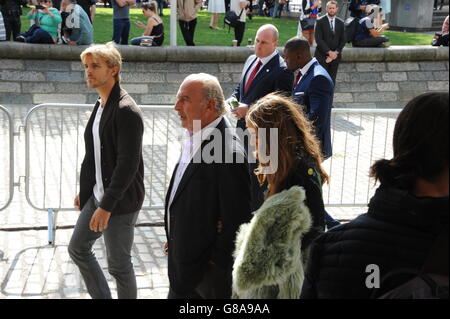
11, 12
308, 16
187, 18
239, 7
330, 39
216, 7
121, 20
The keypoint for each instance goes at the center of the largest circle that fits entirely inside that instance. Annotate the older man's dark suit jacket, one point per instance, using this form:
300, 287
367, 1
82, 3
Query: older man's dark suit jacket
206, 194
327, 40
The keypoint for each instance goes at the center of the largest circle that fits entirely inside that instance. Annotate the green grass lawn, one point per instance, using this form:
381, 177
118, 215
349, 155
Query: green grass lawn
206, 36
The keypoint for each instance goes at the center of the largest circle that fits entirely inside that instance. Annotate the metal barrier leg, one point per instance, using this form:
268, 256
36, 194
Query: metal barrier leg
52, 226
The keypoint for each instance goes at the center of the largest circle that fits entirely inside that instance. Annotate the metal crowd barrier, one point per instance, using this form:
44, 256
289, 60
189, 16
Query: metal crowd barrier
55, 149
7, 131
359, 138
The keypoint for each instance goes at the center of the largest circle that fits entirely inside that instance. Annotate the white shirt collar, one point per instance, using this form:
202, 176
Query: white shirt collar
197, 138
265, 60
305, 69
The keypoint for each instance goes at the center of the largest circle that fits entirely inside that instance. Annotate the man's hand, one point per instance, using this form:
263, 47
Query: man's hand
72, 43
240, 111
99, 220
76, 202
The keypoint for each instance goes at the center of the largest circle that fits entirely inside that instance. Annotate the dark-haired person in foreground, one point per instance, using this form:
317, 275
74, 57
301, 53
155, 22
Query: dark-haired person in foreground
407, 215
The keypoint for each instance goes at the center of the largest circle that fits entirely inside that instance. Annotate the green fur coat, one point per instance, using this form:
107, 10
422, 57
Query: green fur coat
267, 256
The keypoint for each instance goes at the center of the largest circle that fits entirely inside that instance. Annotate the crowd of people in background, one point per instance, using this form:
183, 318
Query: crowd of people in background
365, 28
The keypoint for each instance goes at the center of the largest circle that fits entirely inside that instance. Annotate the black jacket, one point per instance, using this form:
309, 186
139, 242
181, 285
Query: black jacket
274, 76
397, 232
327, 40
207, 193
121, 130
304, 173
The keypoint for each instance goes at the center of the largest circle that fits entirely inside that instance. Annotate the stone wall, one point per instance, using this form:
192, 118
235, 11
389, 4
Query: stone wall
367, 78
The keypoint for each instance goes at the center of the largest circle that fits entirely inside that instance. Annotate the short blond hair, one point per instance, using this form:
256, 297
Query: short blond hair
107, 52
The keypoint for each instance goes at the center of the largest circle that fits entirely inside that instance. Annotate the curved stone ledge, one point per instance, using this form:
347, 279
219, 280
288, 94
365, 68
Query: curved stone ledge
208, 54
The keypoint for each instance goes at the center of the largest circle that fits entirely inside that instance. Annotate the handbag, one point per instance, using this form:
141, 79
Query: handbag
308, 23
231, 18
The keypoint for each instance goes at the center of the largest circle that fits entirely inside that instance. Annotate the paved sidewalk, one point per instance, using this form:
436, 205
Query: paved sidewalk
30, 268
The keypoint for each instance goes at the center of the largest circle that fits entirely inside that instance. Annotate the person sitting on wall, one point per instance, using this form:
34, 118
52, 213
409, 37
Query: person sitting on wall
154, 30
78, 28
45, 28
366, 34
441, 38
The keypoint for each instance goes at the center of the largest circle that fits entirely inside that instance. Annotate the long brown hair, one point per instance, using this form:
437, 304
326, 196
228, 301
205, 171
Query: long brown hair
295, 133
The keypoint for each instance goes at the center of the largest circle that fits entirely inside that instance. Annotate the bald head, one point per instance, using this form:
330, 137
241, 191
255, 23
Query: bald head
266, 40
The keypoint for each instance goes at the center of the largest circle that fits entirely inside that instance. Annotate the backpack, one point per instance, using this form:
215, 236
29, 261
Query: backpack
231, 19
431, 282
350, 28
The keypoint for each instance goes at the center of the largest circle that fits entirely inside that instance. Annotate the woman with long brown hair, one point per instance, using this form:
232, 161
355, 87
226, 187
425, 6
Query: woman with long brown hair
271, 249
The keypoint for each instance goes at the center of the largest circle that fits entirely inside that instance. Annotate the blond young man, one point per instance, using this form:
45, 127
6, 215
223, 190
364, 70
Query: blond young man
111, 178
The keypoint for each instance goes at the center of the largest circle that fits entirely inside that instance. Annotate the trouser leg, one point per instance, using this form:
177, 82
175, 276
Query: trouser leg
81, 252
239, 32
119, 238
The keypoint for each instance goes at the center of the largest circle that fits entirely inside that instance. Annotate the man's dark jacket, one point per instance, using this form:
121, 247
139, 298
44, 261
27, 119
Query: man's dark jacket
327, 40
207, 193
272, 77
397, 232
121, 130
315, 92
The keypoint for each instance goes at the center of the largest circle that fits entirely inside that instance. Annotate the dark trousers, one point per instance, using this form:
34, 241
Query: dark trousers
371, 42
216, 284
37, 35
332, 68
160, 7
188, 30
121, 31
239, 30
12, 24
436, 4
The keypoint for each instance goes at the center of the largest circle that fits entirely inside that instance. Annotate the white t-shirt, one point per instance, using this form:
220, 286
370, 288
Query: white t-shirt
235, 6
98, 187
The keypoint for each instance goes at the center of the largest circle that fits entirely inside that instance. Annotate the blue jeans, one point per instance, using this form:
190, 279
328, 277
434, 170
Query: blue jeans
36, 34
121, 31
118, 236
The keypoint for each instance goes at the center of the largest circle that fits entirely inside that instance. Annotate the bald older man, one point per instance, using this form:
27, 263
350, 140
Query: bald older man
208, 197
264, 72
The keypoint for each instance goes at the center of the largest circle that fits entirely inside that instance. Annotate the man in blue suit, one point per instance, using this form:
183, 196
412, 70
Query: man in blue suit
313, 90
264, 72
